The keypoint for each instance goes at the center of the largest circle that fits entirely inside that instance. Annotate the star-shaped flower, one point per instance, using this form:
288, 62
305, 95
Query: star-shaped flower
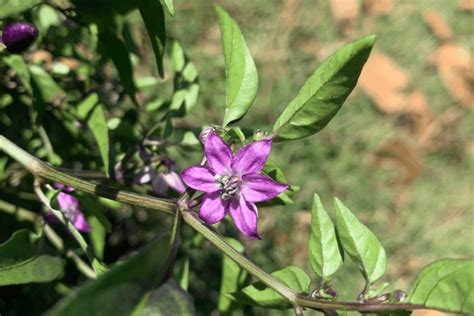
233, 183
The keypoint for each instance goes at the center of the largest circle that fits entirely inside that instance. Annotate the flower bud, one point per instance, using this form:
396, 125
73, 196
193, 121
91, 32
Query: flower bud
398, 296
205, 133
18, 36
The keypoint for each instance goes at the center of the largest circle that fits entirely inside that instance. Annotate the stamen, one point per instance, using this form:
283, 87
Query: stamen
229, 185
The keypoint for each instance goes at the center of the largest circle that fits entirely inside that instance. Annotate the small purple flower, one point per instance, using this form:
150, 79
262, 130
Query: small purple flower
18, 36
161, 181
69, 206
233, 183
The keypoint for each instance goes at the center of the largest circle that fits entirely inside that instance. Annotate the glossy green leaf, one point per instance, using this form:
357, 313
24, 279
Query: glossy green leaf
447, 284
259, 294
241, 73
324, 92
48, 89
14, 7
233, 276
169, 6
17, 63
119, 290
324, 255
116, 50
360, 244
154, 18
21, 261
97, 123
168, 299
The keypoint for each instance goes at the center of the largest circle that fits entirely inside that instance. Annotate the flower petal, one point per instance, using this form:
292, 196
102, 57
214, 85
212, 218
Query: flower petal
174, 181
245, 216
199, 178
218, 154
79, 221
252, 157
213, 208
259, 188
67, 203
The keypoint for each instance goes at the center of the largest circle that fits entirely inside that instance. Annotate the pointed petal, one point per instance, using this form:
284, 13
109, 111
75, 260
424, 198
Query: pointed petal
245, 216
259, 188
81, 224
67, 202
213, 208
174, 181
252, 157
199, 178
218, 154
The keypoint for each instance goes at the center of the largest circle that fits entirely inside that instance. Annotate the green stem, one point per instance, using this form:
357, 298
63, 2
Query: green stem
190, 219
39, 168
96, 264
43, 170
23, 214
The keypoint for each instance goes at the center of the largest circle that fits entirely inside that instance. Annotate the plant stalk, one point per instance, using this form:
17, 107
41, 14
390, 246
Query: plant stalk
41, 169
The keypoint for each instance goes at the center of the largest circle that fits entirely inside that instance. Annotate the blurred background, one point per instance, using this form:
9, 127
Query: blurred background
399, 154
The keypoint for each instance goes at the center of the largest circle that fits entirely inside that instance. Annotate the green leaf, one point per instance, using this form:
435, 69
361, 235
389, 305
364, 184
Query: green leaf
324, 92
168, 299
447, 284
233, 276
97, 236
184, 274
360, 244
17, 63
272, 170
241, 73
115, 49
120, 289
48, 89
84, 108
14, 7
98, 125
178, 58
169, 6
324, 255
21, 262
259, 294
186, 86
189, 139
154, 18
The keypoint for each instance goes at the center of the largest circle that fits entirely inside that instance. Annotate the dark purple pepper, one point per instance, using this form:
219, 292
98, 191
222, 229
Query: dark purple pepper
18, 36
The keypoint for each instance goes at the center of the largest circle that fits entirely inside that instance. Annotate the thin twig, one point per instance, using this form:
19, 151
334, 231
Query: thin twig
23, 214
40, 169
75, 233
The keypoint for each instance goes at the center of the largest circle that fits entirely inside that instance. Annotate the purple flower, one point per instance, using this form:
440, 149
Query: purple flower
233, 183
18, 36
69, 206
161, 181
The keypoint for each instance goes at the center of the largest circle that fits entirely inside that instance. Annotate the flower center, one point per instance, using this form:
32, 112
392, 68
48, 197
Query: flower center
228, 185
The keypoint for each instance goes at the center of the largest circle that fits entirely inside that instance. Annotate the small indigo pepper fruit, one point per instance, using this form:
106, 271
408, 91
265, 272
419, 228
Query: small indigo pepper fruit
18, 36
